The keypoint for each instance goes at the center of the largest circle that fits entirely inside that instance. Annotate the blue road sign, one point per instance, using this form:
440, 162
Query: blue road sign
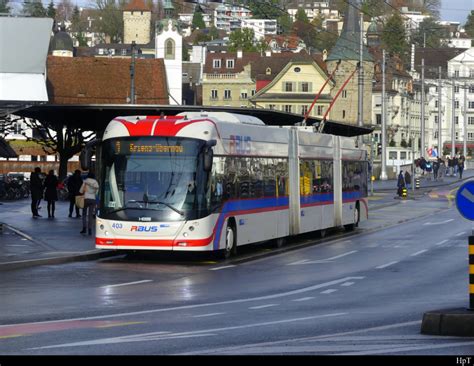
465, 200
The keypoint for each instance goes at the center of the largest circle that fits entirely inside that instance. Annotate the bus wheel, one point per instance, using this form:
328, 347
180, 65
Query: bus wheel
356, 212
230, 242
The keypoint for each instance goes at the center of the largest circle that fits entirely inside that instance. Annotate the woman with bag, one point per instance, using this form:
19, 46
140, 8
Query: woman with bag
89, 188
51, 192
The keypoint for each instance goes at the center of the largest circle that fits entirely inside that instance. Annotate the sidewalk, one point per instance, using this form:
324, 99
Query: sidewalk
28, 242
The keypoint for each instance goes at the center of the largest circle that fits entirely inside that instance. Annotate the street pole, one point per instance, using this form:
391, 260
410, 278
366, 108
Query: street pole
440, 140
423, 147
453, 120
132, 75
383, 173
464, 145
360, 112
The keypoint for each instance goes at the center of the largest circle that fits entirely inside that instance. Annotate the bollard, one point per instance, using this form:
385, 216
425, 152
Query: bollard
404, 193
471, 273
417, 183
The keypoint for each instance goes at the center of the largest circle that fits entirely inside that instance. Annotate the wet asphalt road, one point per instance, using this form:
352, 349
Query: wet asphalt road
363, 294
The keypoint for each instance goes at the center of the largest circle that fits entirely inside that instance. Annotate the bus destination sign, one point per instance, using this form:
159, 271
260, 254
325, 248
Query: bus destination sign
128, 147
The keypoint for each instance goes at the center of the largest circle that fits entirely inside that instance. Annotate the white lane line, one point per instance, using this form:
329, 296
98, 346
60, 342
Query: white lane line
126, 284
442, 242
330, 291
386, 265
438, 223
207, 315
303, 299
187, 307
219, 268
461, 233
346, 284
307, 261
156, 336
418, 253
263, 306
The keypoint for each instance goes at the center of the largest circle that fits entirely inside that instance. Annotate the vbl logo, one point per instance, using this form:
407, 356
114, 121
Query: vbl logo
240, 145
148, 229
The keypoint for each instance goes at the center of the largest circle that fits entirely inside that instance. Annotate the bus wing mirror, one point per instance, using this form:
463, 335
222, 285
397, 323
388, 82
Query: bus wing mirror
209, 155
85, 157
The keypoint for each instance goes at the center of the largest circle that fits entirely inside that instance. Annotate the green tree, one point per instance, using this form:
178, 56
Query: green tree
198, 21
4, 8
242, 39
469, 26
375, 8
285, 23
301, 16
111, 19
34, 8
430, 33
394, 37
51, 10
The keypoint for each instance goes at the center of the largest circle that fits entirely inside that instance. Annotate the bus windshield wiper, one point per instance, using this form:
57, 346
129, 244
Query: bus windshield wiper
149, 208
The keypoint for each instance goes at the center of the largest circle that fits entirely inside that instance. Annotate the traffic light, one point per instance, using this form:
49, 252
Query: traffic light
379, 149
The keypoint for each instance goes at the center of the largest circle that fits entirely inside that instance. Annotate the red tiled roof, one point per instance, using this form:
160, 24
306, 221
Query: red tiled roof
90, 80
137, 5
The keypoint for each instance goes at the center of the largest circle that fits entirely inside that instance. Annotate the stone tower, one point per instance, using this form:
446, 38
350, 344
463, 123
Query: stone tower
136, 22
169, 46
347, 49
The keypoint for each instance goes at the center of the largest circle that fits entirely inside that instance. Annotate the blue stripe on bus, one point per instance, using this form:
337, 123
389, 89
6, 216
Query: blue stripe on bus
272, 204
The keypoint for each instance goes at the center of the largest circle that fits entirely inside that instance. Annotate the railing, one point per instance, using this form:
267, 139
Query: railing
220, 76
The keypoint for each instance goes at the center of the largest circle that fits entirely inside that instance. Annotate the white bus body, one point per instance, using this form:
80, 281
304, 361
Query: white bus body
266, 182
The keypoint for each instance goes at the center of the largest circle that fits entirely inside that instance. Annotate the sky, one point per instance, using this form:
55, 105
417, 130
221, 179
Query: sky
456, 10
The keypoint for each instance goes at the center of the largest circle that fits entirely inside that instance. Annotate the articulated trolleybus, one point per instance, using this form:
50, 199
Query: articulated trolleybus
214, 181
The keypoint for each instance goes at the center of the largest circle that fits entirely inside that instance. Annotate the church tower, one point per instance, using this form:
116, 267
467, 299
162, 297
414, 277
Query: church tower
347, 50
136, 22
169, 46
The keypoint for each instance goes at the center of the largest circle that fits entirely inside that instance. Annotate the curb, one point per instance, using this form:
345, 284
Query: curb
450, 322
81, 257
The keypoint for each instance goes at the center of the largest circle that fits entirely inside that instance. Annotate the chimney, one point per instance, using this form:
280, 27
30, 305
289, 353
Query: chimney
239, 53
268, 53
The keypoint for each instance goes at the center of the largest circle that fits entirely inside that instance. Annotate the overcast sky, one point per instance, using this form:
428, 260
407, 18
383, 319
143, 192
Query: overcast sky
456, 10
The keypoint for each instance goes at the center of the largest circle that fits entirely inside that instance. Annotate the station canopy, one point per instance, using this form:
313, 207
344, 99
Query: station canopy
97, 117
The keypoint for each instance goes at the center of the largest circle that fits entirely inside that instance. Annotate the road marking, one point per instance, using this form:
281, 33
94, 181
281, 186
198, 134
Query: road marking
263, 306
442, 242
126, 284
461, 233
330, 291
346, 284
438, 223
11, 336
418, 253
119, 324
303, 299
187, 307
156, 336
207, 315
307, 261
219, 268
387, 265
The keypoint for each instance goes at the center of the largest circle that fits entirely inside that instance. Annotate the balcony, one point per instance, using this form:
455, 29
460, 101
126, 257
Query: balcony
226, 76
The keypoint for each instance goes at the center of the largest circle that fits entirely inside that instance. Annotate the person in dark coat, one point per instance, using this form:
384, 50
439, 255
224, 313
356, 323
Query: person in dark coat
400, 183
36, 188
51, 192
74, 184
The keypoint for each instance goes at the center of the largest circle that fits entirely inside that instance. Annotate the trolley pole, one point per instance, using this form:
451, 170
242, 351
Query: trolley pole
471, 272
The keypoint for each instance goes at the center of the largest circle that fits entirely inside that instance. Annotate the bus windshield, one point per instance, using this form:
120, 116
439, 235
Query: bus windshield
153, 179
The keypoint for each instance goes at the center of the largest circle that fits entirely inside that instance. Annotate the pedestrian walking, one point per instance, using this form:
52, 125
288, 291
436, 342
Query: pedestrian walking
51, 192
89, 188
74, 184
436, 166
400, 183
461, 165
408, 179
36, 189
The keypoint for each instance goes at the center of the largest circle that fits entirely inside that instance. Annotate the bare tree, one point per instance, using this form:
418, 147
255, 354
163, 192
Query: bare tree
61, 140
